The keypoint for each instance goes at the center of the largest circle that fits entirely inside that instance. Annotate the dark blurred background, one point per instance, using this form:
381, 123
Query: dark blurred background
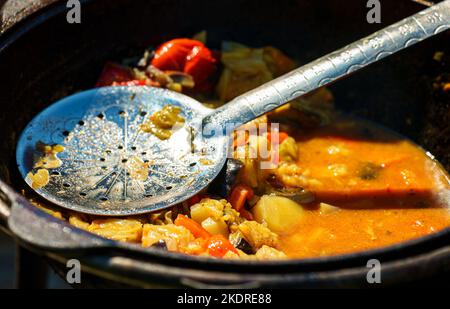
6, 262
8, 269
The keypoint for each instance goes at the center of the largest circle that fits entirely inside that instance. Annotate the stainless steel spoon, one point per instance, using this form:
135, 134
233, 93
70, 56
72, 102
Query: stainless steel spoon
111, 167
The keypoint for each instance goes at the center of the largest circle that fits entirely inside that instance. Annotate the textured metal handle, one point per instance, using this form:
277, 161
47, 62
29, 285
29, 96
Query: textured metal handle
335, 65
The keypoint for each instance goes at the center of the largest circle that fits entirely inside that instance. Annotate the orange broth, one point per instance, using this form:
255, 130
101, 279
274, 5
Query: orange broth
386, 189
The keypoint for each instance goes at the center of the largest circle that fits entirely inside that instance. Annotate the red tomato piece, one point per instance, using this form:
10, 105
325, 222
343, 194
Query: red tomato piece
188, 56
201, 65
218, 246
172, 54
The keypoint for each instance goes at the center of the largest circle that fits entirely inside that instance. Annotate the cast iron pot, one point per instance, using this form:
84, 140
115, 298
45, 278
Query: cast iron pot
43, 58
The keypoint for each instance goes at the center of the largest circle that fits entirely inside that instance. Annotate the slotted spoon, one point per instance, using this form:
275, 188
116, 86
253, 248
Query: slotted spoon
101, 133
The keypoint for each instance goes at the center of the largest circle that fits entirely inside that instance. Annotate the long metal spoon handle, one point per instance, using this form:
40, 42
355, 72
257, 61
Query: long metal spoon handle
333, 66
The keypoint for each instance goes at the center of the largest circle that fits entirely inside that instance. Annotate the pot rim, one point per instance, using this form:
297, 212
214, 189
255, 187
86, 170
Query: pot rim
400, 250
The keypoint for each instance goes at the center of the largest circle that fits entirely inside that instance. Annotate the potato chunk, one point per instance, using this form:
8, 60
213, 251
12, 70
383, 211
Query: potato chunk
279, 213
215, 226
207, 208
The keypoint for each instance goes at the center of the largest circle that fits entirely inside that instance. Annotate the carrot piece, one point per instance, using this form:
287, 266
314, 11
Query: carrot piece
281, 137
239, 195
196, 229
218, 246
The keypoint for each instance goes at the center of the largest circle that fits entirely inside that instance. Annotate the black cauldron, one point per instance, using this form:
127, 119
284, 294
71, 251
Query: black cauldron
44, 58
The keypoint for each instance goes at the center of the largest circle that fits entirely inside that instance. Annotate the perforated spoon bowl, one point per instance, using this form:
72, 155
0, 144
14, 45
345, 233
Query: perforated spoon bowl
103, 142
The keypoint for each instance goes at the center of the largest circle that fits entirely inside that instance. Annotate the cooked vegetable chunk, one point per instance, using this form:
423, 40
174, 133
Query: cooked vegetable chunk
238, 240
246, 68
79, 221
190, 56
215, 226
218, 246
177, 238
129, 230
196, 229
279, 213
288, 150
207, 208
163, 121
39, 179
257, 234
269, 253
49, 158
137, 168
